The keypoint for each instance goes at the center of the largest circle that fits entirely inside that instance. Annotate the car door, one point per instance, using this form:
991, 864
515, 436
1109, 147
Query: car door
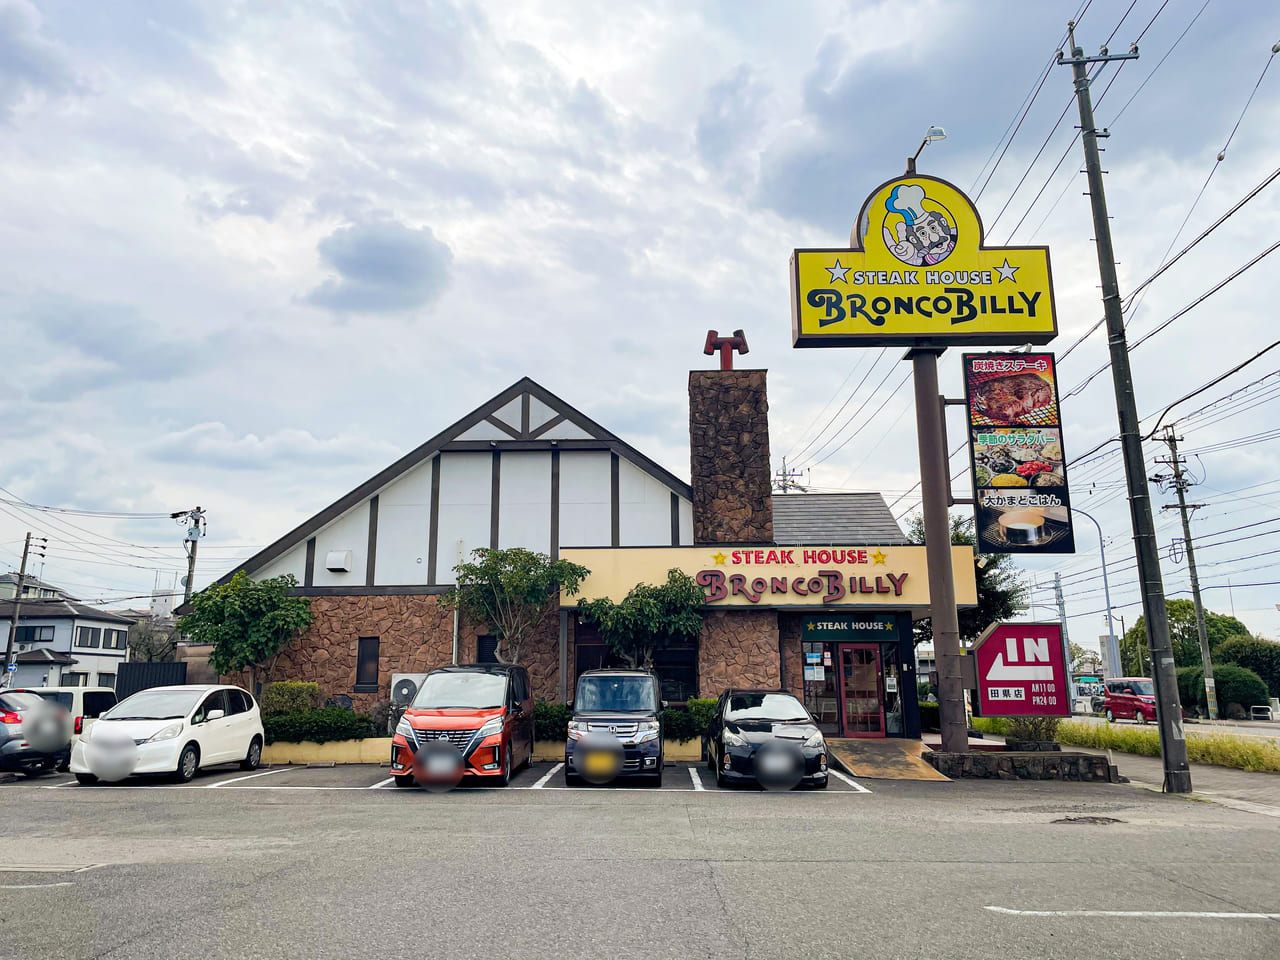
212, 732
241, 727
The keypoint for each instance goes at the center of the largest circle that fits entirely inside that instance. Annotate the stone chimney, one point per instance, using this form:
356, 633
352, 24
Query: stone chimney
729, 450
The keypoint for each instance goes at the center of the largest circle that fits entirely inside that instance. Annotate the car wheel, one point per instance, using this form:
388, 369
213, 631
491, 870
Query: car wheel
571, 779
404, 780
39, 771
1111, 717
504, 777
1139, 716
86, 779
253, 759
720, 778
188, 763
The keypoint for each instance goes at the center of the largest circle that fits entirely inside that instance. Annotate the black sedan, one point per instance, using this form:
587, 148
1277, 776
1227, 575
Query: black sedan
765, 737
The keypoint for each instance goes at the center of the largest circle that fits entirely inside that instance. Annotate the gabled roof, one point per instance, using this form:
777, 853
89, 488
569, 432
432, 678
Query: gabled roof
835, 519
525, 416
48, 608
44, 655
32, 583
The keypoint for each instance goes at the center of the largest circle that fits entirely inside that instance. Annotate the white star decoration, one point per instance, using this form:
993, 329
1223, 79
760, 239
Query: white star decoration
837, 272
1006, 272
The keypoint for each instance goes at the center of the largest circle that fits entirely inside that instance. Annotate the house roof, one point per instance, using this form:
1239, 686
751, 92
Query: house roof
835, 519
52, 609
31, 582
522, 436
44, 655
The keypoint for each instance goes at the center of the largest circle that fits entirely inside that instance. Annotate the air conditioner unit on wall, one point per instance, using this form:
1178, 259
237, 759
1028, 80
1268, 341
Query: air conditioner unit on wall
404, 687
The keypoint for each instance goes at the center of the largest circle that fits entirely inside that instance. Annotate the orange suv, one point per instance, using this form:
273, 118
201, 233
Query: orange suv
484, 710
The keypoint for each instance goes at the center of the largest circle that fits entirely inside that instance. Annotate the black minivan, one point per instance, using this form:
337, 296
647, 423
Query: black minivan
616, 727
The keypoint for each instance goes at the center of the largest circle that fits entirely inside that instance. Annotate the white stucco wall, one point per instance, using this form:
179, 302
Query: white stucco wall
584, 499
348, 532
465, 483
524, 501
404, 528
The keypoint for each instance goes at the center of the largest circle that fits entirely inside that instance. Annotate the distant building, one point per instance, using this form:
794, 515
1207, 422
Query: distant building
64, 643
32, 588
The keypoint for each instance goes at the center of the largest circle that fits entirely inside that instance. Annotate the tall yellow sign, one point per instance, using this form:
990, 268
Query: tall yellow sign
917, 273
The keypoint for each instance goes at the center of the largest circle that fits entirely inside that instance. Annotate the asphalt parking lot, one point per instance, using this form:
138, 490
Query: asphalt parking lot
676, 778
335, 863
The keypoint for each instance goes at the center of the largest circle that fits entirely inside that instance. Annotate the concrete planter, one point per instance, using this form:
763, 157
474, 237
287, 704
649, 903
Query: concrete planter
378, 750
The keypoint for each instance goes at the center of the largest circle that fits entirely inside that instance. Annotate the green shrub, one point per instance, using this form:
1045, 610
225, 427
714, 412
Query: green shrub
1190, 687
551, 721
1240, 685
1260, 656
318, 726
929, 718
291, 696
702, 711
1032, 728
996, 725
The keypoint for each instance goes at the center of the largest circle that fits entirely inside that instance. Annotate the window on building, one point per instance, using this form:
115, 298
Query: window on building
115, 639
88, 637
34, 635
486, 649
367, 665
72, 679
677, 670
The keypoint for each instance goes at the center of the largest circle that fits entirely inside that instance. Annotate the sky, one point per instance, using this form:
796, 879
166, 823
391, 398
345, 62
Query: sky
254, 253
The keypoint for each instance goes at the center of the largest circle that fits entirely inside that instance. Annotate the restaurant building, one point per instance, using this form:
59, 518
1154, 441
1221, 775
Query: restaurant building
814, 593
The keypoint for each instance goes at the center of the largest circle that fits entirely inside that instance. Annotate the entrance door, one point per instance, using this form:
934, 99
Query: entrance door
861, 696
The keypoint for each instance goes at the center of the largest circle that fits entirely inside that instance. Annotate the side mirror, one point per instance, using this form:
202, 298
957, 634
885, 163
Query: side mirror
216, 714
665, 704
1128, 690
569, 704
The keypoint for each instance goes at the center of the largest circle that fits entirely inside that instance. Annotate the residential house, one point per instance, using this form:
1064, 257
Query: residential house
64, 643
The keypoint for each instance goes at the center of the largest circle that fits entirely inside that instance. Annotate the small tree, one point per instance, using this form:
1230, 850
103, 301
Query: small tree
1079, 656
648, 618
248, 622
149, 643
513, 591
1000, 587
1183, 634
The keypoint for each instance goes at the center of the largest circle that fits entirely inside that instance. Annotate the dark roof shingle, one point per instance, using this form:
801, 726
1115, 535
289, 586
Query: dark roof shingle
835, 519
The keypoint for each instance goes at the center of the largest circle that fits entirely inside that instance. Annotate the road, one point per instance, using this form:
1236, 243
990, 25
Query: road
335, 863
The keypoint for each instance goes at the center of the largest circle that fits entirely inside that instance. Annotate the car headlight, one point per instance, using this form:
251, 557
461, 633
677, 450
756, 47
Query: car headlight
646, 730
491, 726
732, 739
168, 733
816, 740
405, 729
577, 729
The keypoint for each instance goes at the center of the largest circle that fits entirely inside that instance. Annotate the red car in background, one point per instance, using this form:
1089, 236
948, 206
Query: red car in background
1129, 698
484, 710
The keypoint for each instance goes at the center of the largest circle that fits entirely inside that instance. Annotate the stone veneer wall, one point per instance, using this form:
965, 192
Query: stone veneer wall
415, 635
729, 455
738, 649
792, 653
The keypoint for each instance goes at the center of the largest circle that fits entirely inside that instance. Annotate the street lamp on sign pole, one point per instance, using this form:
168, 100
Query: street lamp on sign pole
1113, 645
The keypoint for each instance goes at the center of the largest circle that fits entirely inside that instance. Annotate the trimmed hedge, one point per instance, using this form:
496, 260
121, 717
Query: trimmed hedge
1260, 656
290, 696
551, 720
1233, 684
318, 726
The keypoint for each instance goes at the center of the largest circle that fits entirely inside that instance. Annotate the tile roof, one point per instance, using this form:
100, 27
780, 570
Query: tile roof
835, 519
48, 608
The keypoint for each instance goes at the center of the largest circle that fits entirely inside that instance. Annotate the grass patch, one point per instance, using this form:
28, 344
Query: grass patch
1223, 749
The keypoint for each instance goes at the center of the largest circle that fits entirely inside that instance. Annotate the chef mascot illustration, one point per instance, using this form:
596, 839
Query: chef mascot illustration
919, 236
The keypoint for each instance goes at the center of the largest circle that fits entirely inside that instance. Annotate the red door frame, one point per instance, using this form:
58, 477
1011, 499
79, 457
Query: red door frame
840, 688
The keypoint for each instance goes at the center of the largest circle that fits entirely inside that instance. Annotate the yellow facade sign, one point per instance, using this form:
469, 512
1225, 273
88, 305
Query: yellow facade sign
917, 273
777, 576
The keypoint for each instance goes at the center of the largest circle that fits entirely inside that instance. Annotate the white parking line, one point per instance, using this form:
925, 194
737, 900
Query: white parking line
542, 781
849, 780
37, 886
64, 783
697, 780
1155, 914
382, 783
252, 776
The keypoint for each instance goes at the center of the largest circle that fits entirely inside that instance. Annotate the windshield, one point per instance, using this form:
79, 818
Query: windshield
154, 705
765, 706
1143, 688
473, 691
622, 694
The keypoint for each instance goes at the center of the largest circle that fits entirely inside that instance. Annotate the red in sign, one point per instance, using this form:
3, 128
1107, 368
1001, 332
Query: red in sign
1021, 671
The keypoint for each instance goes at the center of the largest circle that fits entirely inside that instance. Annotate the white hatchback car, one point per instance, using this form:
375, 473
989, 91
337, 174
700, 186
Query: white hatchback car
173, 730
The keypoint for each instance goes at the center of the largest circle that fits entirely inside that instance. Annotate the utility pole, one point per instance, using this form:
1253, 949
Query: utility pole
195, 522
17, 603
1173, 741
1062, 618
784, 480
1180, 485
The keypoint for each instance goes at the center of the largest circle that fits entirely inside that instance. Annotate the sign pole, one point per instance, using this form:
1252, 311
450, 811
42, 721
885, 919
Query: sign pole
935, 482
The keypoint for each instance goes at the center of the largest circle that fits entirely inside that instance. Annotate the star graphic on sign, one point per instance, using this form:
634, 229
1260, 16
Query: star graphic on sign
879, 557
1006, 272
837, 272
808, 626
719, 558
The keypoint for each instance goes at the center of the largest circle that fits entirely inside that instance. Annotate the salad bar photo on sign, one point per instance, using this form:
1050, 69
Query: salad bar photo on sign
1021, 504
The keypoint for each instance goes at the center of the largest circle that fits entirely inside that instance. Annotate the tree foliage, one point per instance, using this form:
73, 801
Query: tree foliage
151, 643
248, 622
649, 617
1001, 591
1259, 655
1079, 656
514, 592
1183, 633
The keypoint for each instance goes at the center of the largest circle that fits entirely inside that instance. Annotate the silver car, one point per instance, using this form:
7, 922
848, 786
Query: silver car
35, 734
